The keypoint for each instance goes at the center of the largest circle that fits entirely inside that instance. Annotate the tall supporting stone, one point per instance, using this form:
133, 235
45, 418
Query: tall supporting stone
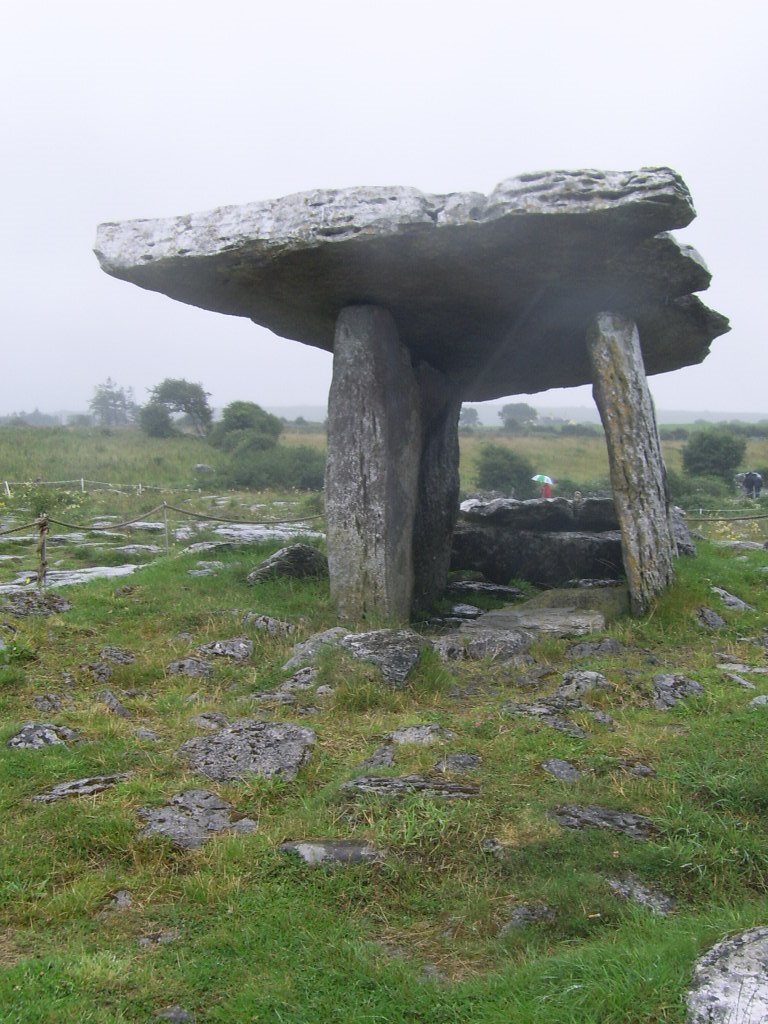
374, 454
438, 495
634, 452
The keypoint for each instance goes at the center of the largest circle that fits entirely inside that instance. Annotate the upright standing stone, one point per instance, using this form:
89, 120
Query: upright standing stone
374, 453
634, 452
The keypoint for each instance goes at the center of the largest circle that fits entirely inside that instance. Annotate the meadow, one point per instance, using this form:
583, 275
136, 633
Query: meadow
238, 931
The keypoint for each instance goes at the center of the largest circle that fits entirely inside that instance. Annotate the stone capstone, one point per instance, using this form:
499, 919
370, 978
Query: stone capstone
189, 818
247, 747
730, 981
297, 561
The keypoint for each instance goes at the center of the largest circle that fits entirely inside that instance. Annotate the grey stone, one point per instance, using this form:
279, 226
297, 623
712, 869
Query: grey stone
194, 668
121, 899
50, 702
334, 851
209, 720
34, 735
139, 549
118, 655
740, 545
33, 602
563, 771
631, 888
549, 713
731, 601
565, 621
739, 680
527, 914
470, 588
451, 647
175, 1015
297, 561
458, 762
189, 818
595, 648
465, 611
759, 702
636, 826
304, 679
273, 697
382, 757
673, 687
709, 619
502, 644
305, 652
215, 564
114, 705
161, 938
100, 670
247, 748
239, 648
575, 684
419, 735
394, 651
268, 624
544, 515
641, 771
757, 670
681, 533
730, 981
146, 734
80, 787
408, 784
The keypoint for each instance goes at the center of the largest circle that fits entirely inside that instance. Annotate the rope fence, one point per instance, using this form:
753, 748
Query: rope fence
83, 483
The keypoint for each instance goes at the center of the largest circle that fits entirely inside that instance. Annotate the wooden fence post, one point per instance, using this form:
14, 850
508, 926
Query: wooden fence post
42, 525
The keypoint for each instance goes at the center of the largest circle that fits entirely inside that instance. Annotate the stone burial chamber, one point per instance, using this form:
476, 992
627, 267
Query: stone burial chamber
554, 279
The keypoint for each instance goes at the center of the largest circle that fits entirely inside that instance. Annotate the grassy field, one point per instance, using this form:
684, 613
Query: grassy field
256, 936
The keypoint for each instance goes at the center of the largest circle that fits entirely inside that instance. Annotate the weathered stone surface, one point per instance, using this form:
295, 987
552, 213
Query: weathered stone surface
419, 735
211, 720
636, 826
80, 787
268, 624
640, 496
406, 784
543, 515
566, 620
118, 655
114, 705
759, 702
250, 748
595, 648
472, 588
382, 757
731, 601
189, 818
500, 644
372, 472
494, 291
681, 533
709, 619
175, 1015
33, 602
561, 770
549, 713
394, 651
730, 981
526, 914
673, 687
239, 648
631, 888
334, 851
34, 735
305, 652
195, 668
458, 762
575, 684
297, 561
161, 938
50, 702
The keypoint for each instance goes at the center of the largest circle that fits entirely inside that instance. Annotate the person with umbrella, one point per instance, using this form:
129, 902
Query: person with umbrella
546, 484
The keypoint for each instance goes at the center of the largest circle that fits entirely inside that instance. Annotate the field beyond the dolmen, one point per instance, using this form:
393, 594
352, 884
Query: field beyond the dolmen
551, 834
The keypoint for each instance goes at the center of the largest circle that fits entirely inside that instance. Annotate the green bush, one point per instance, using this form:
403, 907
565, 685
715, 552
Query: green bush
294, 467
702, 490
245, 419
500, 469
155, 420
714, 453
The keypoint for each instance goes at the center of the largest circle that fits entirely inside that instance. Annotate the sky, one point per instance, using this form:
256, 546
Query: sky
153, 108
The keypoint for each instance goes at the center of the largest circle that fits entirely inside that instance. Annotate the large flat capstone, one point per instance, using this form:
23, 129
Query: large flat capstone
496, 292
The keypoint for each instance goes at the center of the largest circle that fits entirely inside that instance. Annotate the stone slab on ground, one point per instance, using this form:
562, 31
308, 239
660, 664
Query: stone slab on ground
564, 621
409, 784
192, 817
35, 735
671, 688
297, 561
730, 981
419, 735
333, 851
80, 787
247, 747
394, 651
631, 888
636, 826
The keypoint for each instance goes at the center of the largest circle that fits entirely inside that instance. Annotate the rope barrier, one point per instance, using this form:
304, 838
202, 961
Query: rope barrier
723, 519
18, 529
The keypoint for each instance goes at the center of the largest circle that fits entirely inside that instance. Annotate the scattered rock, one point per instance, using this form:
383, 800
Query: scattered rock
121, 899
549, 711
50, 702
213, 565
189, 818
139, 549
528, 913
575, 684
637, 826
740, 545
209, 720
450, 648
33, 602
382, 757
465, 611
114, 705
759, 702
161, 938
337, 851
501, 645
306, 651
118, 655
740, 680
100, 670
407, 784
394, 651
563, 771
595, 648
273, 697
641, 771
730, 601
296, 560
250, 748
239, 648
419, 735
34, 735
631, 888
709, 619
175, 1015
730, 982
146, 734
671, 688
195, 668
458, 762
756, 670
80, 787
275, 627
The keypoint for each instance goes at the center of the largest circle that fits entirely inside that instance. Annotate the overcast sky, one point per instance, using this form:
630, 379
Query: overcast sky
153, 108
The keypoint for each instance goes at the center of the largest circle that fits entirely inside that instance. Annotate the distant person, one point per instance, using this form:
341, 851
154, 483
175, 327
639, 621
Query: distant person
752, 484
546, 490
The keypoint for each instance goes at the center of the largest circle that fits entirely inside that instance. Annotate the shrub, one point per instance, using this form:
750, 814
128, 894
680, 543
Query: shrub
714, 453
701, 490
500, 469
155, 420
294, 467
245, 418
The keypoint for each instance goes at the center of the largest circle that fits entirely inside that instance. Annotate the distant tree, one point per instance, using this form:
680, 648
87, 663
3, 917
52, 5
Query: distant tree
246, 425
715, 453
183, 396
80, 419
517, 416
113, 406
469, 418
155, 420
500, 469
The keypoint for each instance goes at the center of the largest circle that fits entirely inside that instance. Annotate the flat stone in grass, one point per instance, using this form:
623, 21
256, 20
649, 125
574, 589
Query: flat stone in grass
297, 561
175, 1015
575, 684
118, 655
394, 651
34, 735
730, 981
268, 624
114, 705
527, 914
709, 619
550, 711
239, 648
501, 645
333, 851
458, 762
189, 818
147, 734
731, 601
50, 702
307, 651
408, 784
671, 688
470, 588
561, 770
636, 826
739, 680
631, 888
161, 938
419, 735
194, 668
248, 747
759, 702
382, 757
32, 602
80, 787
